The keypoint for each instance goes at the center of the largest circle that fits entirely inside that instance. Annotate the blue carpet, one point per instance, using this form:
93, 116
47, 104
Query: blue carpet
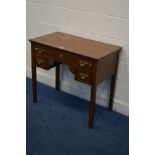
57, 125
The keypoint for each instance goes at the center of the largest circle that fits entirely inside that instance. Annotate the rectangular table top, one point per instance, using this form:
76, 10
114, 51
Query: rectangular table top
78, 45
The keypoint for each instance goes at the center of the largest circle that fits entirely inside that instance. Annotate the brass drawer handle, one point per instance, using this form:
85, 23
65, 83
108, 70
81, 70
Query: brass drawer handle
83, 76
39, 50
40, 61
83, 63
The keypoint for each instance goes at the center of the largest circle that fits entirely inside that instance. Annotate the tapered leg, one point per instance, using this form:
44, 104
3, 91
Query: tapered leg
34, 80
113, 83
34, 83
112, 88
92, 105
57, 82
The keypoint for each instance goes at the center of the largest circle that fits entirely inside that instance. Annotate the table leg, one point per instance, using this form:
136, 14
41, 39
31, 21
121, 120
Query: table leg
113, 83
112, 89
34, 83
57, 82
92, 105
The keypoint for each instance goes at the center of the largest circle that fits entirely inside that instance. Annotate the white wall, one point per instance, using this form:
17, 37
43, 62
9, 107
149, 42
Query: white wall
102, 20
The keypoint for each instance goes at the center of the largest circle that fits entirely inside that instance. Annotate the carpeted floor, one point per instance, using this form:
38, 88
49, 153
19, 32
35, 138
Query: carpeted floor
57, 125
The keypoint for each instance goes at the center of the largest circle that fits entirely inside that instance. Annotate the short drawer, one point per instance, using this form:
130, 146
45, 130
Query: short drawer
41, 50
84, 77
82, 63
43, 62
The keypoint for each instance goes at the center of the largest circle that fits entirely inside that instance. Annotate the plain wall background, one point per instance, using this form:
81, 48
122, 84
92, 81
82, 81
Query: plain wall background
102, 20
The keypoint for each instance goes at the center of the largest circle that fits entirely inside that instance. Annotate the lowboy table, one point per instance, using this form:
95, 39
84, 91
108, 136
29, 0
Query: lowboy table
90, 61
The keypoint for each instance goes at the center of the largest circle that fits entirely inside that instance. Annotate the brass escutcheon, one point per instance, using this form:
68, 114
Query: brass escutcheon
61, 55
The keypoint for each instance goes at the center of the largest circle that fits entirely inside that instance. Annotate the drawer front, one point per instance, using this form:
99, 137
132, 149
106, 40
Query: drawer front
84, 64
41, 50
43, 62
63, 57
82, 76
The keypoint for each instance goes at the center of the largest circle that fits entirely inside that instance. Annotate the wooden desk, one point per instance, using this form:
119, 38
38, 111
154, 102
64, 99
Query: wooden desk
90, 61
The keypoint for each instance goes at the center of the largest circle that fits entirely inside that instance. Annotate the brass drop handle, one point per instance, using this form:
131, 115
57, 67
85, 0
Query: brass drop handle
39, 50
40, 61
83, 76
83, 63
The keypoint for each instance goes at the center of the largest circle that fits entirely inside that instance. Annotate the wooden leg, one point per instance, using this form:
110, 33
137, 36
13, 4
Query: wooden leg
34, 83
113, 83
112, 89
57, 82
92, 105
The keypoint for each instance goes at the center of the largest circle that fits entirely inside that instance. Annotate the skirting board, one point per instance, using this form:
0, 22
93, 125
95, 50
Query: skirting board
42, 77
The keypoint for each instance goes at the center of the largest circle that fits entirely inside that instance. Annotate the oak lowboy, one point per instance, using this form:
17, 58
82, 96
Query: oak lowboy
90, 61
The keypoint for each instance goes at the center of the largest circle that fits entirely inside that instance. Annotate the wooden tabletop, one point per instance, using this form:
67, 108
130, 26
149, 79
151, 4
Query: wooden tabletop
77, 45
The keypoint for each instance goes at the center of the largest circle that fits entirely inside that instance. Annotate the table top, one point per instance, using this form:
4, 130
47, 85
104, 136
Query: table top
77, 45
